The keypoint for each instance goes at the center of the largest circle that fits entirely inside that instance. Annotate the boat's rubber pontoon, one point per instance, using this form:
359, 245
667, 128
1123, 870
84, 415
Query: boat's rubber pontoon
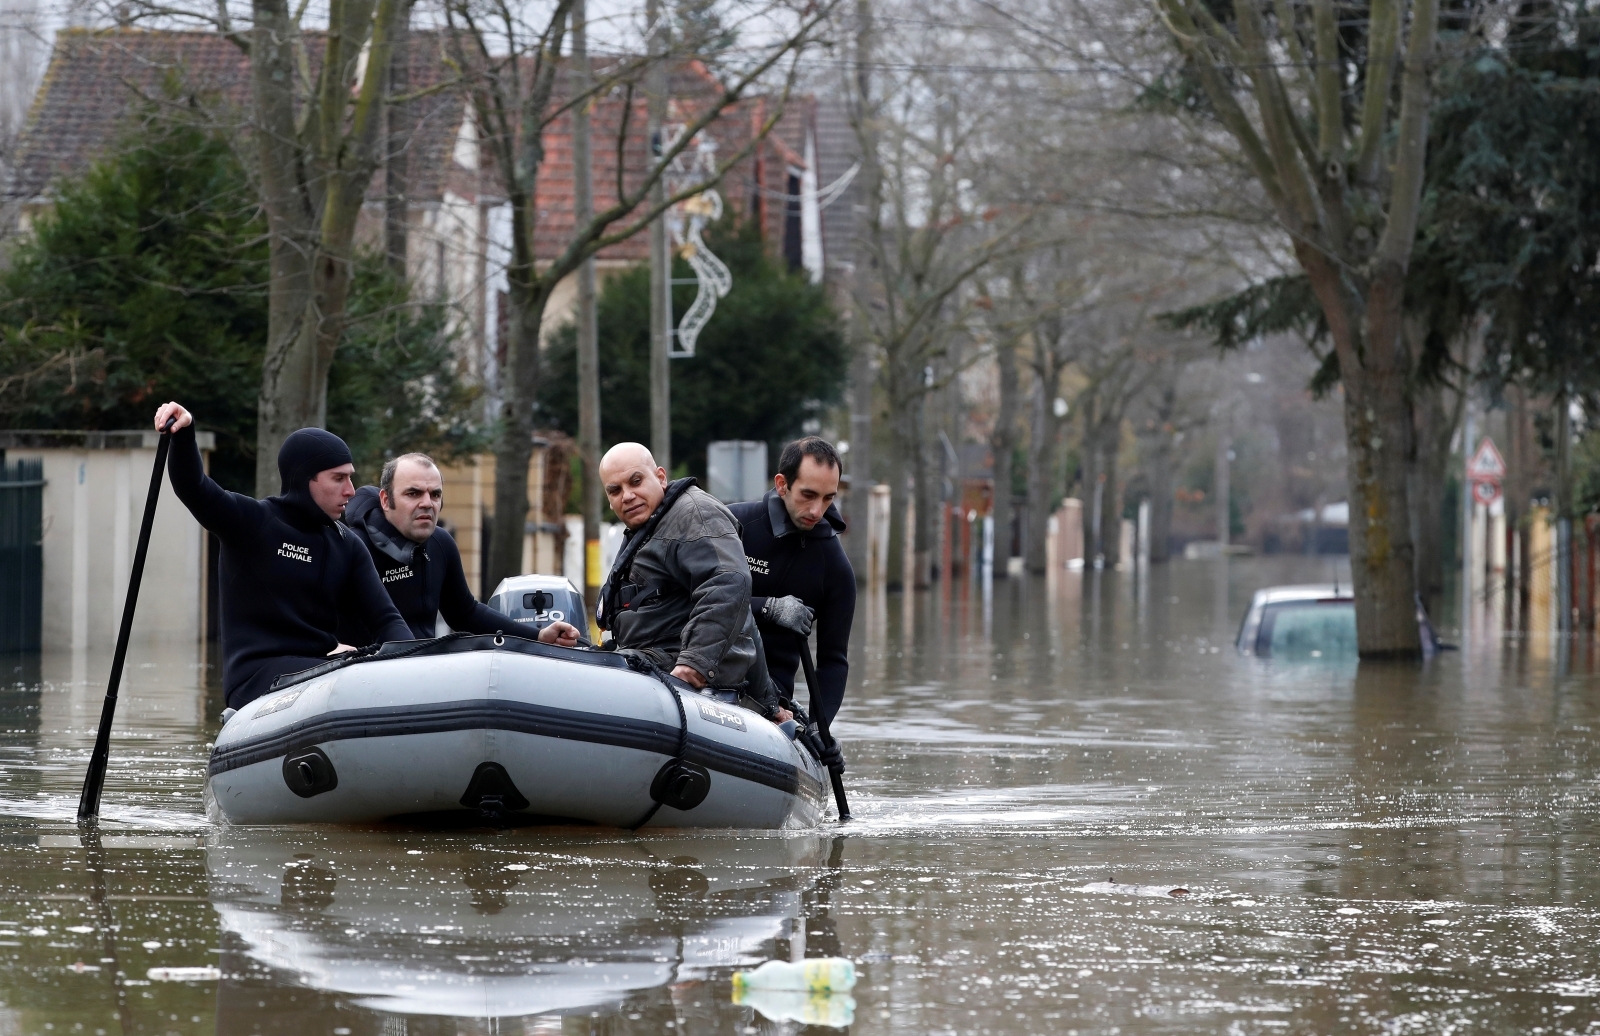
507, 730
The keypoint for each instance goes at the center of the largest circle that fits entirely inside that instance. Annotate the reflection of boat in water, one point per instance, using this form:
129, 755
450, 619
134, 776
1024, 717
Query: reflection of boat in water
510, 727
500, 927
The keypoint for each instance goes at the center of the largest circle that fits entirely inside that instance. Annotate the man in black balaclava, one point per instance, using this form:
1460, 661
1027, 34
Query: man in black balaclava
289, 569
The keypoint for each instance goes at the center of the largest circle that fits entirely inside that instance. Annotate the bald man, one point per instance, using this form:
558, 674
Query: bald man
679, 590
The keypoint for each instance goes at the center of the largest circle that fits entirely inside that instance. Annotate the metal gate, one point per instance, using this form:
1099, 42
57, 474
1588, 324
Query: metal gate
21, 554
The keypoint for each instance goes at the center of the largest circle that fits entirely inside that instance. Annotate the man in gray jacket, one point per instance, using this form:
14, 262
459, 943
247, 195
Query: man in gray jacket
679, 590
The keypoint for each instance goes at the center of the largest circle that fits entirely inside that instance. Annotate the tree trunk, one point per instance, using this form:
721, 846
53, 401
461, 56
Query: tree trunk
1161, 490
1518, 490
1378, 431
1110, 499
903, 428
1003, 446
1089, 473
513, 447
312, 225
926, 496
1041, 468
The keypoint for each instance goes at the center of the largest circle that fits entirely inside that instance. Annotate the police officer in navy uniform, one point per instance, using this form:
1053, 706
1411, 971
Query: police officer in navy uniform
800, 577
418, 562
289, 570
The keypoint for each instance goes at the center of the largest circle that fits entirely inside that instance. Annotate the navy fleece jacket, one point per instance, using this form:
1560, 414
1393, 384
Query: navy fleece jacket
425, 580
786, 562
288, 571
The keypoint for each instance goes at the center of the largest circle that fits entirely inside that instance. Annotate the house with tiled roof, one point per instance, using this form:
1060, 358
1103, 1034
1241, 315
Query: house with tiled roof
458, 222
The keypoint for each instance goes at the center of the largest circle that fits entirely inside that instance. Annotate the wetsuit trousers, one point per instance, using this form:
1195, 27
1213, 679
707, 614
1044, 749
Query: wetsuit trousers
270, 670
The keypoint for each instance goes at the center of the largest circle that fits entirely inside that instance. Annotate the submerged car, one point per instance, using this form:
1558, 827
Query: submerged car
1303, 623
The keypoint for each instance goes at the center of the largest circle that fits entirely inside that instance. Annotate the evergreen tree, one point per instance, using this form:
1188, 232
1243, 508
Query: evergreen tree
147, 282
771, 357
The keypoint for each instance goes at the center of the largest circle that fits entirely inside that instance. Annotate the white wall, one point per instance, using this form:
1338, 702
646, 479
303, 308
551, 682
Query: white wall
93, 503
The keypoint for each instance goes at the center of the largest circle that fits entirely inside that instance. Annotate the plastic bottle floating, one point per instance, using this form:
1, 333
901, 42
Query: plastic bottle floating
833, 1010
816, 975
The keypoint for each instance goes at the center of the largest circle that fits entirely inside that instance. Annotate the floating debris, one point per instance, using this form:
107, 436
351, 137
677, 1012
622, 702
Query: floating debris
833, 1010
1117, 888
202, 974
817, 975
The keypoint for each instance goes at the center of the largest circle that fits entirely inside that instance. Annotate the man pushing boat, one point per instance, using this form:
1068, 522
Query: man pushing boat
289, 569
800, 576
679, 590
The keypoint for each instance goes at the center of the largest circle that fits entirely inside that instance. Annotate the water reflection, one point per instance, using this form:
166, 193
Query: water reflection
506, 926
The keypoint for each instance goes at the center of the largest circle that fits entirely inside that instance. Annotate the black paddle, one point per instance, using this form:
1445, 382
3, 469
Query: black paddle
822, 725
95, 779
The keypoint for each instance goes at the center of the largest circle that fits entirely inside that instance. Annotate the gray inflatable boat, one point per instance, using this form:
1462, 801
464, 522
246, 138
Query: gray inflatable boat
505, 730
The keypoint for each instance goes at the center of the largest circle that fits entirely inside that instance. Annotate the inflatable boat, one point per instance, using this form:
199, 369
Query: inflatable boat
505, 730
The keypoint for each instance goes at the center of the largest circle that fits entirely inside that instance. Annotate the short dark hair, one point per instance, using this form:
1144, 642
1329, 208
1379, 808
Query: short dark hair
813, 446
386, 480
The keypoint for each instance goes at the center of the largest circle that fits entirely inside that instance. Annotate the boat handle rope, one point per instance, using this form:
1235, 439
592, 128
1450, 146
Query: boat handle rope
649, 668
370, 653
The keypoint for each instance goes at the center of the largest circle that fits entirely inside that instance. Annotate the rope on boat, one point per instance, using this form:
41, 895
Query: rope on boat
641, 664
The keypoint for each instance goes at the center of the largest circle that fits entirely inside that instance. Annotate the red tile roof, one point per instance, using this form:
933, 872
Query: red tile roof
98, 80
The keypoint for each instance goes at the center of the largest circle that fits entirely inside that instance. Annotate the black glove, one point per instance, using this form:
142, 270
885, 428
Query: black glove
790, 613
833, 757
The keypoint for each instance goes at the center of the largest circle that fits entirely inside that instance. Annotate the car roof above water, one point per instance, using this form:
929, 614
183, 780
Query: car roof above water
1308, 592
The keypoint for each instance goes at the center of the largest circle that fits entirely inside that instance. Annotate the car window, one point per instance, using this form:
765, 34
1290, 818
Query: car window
1304, 630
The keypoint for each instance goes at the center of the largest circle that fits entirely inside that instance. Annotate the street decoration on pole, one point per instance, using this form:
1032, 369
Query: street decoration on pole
687, 222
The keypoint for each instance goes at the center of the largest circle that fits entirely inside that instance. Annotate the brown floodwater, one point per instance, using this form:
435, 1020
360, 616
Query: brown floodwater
1034, 770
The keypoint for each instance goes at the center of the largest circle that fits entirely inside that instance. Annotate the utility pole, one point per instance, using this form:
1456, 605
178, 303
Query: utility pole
861, 373
660, 255
588, 324
396, 203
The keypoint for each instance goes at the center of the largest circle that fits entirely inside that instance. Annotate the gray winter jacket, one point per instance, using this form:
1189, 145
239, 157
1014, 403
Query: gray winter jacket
689, 597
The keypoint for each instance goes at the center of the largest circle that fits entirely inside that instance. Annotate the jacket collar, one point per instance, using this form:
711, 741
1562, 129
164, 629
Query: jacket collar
366, 510
303, 514
831, 525
778, 515
387, 538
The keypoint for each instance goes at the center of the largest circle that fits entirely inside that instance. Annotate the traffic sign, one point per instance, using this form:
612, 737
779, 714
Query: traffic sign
1486, 465
1485, 492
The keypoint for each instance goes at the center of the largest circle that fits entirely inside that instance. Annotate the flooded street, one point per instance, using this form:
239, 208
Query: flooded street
1077, 810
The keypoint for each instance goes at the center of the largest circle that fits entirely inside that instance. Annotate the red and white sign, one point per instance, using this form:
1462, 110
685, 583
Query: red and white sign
1485, 493
1486, 465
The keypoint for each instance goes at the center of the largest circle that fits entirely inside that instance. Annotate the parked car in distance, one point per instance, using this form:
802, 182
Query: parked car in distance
1306, 623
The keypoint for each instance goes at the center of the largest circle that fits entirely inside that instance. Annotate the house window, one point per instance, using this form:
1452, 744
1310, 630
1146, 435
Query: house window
792, 247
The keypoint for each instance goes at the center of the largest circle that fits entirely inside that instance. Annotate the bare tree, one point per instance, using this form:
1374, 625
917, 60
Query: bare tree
511, 60
1342, 165
931, 226
318, 130
1172, 408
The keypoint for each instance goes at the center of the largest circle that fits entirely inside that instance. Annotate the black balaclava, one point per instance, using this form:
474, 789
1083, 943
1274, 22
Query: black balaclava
304, 454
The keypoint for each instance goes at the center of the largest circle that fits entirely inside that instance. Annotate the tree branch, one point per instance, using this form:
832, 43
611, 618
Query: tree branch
1383, 41
1405, 200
